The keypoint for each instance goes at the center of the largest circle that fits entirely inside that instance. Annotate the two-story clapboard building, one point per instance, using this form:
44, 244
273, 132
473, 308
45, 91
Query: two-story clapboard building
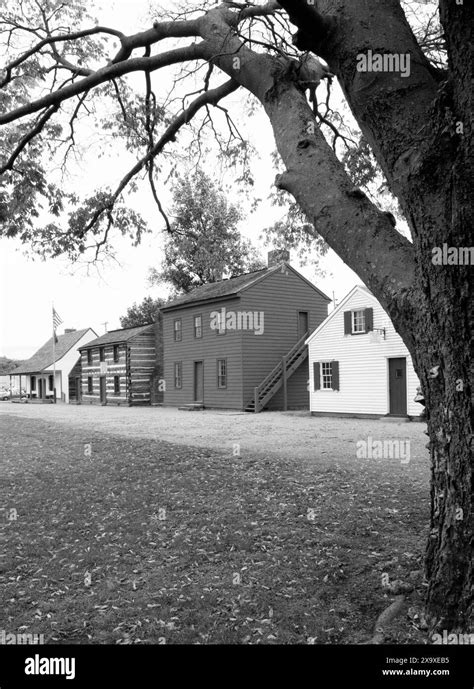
117, 367
240, 343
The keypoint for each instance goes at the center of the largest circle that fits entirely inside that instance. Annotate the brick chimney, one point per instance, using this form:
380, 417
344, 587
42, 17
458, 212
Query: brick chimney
278, 256
69, 330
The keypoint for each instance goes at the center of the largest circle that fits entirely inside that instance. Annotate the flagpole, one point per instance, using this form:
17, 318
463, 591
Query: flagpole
54, 358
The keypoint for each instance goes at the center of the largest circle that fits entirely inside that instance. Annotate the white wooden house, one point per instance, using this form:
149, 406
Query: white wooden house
35, 375
358, 364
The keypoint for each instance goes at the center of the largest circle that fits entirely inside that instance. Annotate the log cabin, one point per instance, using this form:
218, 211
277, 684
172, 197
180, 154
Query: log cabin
117, 368
240, 343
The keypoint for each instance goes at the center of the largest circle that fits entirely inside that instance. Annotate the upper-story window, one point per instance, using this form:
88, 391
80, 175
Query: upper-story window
358, 321
116, 353
198, 326
178, 330
89, 357
101, 353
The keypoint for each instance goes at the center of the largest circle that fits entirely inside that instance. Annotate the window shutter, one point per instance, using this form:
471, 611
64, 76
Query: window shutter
369, 320
316, 376
335, 375
347, 322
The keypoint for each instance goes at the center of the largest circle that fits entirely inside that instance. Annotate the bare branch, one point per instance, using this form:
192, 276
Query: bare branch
209, 97
112, 71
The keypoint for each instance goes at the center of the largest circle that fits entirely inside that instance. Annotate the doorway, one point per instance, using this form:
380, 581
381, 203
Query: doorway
103, 390
303, 323
397, 383
198, 381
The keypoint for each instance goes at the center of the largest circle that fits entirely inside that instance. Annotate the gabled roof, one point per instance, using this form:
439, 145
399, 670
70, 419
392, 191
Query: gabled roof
224, 289
118, 336
43, 358
357, 288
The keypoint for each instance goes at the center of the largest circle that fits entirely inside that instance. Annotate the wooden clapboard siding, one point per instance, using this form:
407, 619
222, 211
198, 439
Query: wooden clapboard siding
363, 364
280, 296
207, 349
297, 391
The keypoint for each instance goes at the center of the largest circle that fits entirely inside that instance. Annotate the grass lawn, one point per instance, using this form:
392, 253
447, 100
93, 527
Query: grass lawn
148, 542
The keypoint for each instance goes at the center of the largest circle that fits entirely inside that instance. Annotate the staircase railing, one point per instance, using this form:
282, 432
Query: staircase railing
278, 375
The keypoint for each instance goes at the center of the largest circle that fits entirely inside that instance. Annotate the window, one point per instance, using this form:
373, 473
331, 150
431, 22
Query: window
116, 353
326, 375
221, 373
198, 326
89, 357
89, 385
116, 385
220, 323
178, 378
358, 321
102, 354
178, 330
33, 383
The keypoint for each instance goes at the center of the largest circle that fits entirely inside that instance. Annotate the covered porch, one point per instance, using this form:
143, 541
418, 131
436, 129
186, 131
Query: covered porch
36, 386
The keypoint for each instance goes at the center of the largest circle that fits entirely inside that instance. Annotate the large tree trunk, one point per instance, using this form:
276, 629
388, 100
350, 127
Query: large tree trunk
421, 134
442, 356
431, 308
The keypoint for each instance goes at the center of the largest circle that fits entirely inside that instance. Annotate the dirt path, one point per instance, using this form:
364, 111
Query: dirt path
292, 434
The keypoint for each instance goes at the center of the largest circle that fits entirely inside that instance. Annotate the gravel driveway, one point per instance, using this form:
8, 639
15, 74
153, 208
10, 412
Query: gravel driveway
293, 434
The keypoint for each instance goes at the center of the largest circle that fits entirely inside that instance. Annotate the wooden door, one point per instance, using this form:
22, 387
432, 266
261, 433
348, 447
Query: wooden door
40, 388
198, 381
103, 390
397, 380
303, 323
78, 389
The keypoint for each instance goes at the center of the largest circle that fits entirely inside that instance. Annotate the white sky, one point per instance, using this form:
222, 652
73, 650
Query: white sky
28, 286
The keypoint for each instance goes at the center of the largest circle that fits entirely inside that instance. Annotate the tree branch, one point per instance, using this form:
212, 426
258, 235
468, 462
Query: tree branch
112, 71
212, 97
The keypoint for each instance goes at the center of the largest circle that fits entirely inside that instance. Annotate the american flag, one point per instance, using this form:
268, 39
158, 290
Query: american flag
57, 320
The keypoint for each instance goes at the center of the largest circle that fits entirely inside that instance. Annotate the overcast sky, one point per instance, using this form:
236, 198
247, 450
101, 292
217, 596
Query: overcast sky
29, 286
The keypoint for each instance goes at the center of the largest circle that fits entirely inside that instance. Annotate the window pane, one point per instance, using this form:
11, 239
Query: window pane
358, 321
326, 375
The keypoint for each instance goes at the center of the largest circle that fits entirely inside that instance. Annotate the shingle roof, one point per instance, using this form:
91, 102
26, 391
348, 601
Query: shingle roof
117, 336
227, 288
215, 290
43, 358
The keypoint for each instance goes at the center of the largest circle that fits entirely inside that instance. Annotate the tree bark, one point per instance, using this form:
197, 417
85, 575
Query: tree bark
422, 137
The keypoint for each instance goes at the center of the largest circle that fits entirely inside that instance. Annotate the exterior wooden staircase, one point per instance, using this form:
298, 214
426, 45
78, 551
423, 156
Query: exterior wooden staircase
278, 377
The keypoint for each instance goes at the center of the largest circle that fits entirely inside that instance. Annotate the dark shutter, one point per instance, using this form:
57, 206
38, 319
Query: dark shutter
369, 320
316, 377
347, 322
335, 375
